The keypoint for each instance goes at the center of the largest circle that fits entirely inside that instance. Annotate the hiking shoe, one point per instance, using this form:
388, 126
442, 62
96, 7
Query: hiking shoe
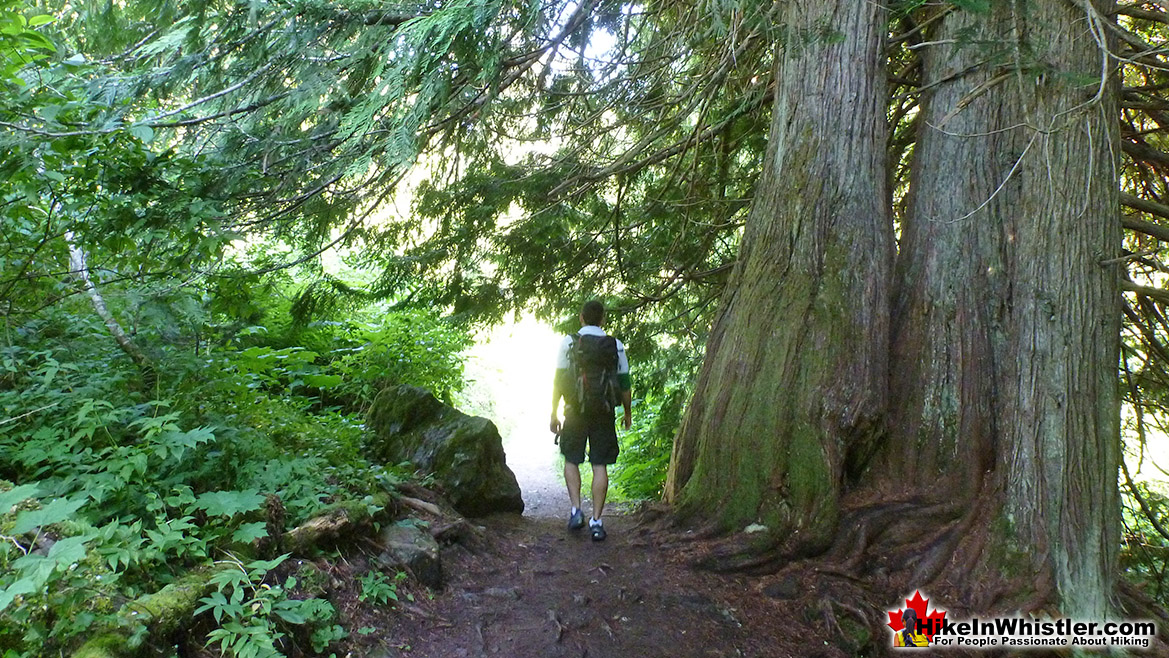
576, 520
598, 531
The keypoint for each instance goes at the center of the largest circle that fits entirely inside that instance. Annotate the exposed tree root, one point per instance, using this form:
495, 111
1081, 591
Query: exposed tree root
884, 551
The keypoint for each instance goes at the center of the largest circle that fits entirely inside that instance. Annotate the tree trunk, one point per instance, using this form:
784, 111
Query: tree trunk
795, 370
1006, 326
1060, 426
1000, 405
80, 270
949, 302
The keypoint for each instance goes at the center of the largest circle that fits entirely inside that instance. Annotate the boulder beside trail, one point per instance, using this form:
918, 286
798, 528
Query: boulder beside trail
409, 546
463, 453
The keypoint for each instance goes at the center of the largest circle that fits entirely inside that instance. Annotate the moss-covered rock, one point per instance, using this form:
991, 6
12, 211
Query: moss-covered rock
464, 453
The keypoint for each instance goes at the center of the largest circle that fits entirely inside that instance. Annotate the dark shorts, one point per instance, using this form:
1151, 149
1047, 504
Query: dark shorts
600, 432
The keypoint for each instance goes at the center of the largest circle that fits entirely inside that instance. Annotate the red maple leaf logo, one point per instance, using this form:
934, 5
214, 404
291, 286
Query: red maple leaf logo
930, 622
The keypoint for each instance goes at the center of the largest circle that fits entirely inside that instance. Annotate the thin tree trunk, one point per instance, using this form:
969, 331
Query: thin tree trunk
795, 370
80, 269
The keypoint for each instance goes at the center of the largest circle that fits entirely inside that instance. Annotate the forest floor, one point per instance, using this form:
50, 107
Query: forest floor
531, 588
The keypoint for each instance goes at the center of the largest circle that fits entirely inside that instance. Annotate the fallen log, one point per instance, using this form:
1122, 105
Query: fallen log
166, 610
334, 523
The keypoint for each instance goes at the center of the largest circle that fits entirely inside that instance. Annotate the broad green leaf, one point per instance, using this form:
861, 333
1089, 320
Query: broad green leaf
23, 586
291, 616
69, 550
323, 381
264, 566
43, 19
229, 503
15, 495
249, 532
142, 132
56, 511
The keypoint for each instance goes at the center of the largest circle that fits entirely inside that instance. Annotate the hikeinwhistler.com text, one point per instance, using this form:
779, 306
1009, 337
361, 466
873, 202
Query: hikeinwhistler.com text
1023, 632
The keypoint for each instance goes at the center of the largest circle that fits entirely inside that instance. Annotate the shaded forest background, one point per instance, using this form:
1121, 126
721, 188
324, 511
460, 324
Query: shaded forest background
226, 225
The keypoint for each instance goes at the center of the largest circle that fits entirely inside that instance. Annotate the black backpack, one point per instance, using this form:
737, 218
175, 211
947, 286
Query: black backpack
593, 365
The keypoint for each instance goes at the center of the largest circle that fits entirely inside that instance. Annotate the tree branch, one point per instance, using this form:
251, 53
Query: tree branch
1140, 225
1134, 11
1141, 151
1159, 294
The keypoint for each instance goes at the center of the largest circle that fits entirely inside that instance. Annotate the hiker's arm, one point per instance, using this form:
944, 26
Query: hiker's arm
627, 402
558, 385
626, 398
557, 393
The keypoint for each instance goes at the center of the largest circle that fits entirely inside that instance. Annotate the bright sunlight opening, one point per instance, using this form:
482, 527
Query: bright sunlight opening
509, 380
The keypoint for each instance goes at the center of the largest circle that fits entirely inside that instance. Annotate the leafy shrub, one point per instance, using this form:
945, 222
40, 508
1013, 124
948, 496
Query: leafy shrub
662, 382
120, 493
252, 614
410, 347
645, 449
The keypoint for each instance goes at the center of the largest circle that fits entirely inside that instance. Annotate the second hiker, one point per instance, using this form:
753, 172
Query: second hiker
592, 375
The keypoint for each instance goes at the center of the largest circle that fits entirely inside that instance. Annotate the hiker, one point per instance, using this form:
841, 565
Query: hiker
910, 635
592, 375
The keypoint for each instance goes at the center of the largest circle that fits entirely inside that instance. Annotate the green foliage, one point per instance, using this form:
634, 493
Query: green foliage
412, 347
640, 474
45, 566
20, 44
1144, 558
251, 613
119, 492
661, 382
377, 588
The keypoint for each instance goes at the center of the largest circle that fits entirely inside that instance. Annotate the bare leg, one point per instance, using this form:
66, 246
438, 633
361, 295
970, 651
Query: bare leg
600, 488
572, 479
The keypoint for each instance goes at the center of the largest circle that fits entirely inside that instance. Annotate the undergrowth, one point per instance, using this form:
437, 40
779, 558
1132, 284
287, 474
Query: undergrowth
114, 484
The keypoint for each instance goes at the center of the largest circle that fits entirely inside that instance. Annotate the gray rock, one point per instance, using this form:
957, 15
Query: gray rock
508, 593
409, 546
463, 453
786, 589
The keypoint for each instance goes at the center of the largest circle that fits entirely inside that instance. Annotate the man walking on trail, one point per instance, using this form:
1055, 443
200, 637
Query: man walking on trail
592, 375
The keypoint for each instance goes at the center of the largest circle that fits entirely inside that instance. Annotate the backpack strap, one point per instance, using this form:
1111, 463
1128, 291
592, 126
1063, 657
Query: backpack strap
572, 342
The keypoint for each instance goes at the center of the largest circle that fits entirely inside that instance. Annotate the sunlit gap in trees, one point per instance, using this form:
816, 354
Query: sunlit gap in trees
509, 380
1147, 456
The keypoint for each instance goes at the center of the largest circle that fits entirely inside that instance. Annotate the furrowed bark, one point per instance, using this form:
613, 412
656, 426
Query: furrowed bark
1061, 418
795, 371
1007, 320
951, 277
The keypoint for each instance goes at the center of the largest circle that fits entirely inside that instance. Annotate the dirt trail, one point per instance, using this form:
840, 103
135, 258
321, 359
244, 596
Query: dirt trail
533, 589
539, 590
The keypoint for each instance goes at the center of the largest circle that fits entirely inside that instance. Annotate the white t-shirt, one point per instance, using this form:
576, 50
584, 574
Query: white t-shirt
591, 330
